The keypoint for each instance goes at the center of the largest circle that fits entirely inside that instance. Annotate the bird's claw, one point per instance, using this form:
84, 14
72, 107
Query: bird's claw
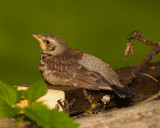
95, 107
65, 105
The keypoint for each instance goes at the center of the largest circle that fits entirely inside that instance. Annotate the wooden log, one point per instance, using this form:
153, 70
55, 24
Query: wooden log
139, 116
55, 93
143, 85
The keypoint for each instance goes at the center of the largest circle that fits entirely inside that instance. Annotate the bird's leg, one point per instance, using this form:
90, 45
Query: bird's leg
68, 105
94, 106
129, 51
65, 105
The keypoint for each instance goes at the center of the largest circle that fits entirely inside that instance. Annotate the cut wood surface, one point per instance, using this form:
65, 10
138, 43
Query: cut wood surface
50, 98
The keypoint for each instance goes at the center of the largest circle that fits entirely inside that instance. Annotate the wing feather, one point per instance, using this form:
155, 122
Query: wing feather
75, 73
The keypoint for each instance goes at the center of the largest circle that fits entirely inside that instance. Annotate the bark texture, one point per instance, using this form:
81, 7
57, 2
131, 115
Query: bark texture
139, 116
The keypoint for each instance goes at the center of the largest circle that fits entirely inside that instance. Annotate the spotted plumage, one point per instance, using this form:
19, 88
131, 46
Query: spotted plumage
60, 65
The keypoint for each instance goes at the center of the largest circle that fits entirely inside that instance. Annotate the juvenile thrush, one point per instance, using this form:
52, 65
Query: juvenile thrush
61, 65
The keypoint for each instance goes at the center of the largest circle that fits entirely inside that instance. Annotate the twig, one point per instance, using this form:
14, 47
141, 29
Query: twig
151, 98
60, 103
149, 76
138, 36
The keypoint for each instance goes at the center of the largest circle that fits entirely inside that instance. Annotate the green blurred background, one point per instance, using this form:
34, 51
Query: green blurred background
96, 27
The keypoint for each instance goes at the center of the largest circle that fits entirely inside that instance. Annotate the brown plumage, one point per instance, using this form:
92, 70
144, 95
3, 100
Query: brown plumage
60, 65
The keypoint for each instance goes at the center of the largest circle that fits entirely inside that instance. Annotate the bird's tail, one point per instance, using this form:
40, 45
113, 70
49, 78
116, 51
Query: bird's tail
124, 92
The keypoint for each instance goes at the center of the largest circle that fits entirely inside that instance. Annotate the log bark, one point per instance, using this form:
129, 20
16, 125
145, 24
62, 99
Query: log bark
139, 116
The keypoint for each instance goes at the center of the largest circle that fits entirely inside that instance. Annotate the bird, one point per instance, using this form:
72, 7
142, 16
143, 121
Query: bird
68, 67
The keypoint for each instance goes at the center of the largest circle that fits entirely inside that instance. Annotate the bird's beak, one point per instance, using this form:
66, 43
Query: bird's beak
38, 37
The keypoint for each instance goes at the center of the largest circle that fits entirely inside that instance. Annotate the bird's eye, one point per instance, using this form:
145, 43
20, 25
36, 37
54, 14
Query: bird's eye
47, 42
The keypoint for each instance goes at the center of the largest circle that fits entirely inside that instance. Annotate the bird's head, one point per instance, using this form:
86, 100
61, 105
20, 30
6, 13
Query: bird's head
51, 44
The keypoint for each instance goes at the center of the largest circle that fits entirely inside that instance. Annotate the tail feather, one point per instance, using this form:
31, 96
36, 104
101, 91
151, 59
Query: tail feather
124, 91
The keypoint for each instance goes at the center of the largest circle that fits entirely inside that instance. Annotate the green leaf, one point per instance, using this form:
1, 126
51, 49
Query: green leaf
8, 93
35, 91
49, 118
62, 120
7, 111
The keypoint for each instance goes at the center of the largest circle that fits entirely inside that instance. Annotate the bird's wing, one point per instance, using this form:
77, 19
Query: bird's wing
80, 76
71, 70
96, 64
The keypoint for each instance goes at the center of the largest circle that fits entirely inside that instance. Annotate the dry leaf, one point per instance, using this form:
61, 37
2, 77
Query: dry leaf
129, 51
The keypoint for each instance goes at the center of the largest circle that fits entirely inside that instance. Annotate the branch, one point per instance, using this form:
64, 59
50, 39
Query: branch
129, 51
